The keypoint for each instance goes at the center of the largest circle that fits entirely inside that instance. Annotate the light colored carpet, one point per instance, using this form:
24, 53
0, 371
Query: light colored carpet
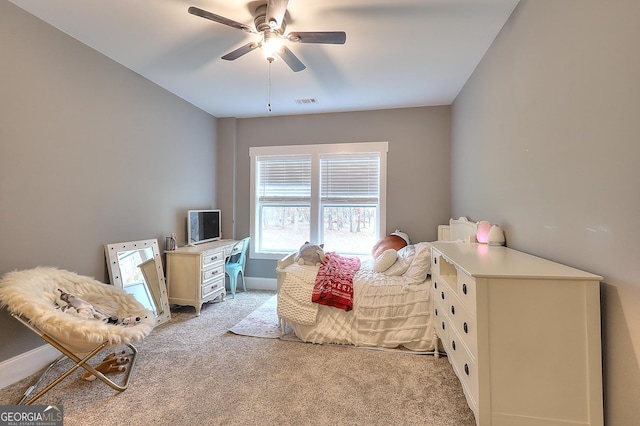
263, 322
192, 371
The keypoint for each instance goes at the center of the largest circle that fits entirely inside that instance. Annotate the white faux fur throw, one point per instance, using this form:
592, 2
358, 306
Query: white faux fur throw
34, 294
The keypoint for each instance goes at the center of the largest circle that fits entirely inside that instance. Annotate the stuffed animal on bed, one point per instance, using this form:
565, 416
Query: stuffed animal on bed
310, 254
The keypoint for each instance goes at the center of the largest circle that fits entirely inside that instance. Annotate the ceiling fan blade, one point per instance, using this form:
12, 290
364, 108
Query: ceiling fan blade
219, 19
291, 59
275, 12
326, 37
240, 51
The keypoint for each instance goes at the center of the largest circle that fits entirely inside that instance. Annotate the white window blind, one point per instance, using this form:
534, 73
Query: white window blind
283, 179
333, 193
350, 179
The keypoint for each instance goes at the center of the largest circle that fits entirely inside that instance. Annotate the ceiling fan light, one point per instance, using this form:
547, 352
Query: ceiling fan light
270, 48
270, 23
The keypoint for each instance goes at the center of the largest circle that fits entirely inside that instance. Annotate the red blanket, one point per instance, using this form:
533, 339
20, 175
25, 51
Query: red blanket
334, 282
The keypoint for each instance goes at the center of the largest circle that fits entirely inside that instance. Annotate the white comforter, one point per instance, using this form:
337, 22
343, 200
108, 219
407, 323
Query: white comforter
388, 311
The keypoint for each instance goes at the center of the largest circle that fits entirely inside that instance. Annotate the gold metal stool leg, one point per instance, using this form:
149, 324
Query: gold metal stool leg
79, 362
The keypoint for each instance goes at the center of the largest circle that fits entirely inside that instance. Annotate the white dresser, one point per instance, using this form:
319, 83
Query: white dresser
195, 274
522, 334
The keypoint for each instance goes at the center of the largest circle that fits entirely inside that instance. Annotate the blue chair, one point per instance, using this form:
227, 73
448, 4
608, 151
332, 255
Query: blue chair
235, 264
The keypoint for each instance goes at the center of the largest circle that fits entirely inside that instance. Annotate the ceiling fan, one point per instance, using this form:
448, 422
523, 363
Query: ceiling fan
270, 23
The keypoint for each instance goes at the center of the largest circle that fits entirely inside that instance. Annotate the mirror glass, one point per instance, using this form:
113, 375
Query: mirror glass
136, 267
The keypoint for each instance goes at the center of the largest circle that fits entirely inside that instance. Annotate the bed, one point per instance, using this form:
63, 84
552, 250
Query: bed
391, 309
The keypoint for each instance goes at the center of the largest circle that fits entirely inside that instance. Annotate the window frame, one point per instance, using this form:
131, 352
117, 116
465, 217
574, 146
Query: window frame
316, 151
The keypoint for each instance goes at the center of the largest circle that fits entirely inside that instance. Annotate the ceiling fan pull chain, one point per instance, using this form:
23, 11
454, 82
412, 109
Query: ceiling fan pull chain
269, 100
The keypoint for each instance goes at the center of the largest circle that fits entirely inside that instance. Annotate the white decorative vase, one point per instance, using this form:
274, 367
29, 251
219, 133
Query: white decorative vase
496, 236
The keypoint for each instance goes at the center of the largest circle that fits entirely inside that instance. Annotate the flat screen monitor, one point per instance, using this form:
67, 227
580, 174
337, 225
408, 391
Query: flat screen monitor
203, 226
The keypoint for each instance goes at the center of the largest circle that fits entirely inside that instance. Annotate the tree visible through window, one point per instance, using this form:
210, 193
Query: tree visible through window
332, 194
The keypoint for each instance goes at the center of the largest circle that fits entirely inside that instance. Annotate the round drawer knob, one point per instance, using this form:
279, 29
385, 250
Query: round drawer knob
453, 310
466, 369
464, 288
465, 327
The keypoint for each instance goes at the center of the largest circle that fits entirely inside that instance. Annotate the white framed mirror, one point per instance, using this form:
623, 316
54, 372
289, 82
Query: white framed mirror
136, 267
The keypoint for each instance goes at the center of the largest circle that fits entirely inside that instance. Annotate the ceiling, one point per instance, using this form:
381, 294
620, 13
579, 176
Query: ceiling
398, 53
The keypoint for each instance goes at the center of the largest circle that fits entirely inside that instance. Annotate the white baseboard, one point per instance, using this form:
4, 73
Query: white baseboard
257, 283
17, 368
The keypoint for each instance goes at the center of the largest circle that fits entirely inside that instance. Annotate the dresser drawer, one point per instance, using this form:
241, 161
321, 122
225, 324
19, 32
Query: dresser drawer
442, 268
466, 290
442, 328
435, 263
440, 290
440, 314
209, 258
465, 367
212, 273
463, 322
211, 288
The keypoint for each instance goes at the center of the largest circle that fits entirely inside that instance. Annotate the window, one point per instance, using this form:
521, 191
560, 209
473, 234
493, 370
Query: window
332, 194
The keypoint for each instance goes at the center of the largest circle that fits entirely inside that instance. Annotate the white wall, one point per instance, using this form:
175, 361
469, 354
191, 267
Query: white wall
90, 154
545, 142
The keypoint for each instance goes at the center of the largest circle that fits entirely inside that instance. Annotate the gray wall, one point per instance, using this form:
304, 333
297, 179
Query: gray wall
90, 153
418, 170
545, 142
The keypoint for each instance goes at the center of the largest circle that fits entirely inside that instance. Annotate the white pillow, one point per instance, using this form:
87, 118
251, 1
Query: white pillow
405, 256
385, 260
420, 264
